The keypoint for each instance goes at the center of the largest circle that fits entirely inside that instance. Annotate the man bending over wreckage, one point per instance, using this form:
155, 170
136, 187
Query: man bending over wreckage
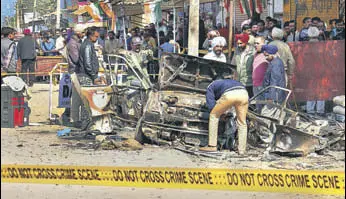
222, 95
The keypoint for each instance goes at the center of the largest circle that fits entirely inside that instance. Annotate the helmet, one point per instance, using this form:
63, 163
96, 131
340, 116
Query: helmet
137, 41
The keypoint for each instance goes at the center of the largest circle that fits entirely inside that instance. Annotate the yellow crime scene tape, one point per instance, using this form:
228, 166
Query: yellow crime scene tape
302, 182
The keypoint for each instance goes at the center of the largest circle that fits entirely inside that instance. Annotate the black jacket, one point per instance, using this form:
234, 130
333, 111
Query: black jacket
26, 48
88, 61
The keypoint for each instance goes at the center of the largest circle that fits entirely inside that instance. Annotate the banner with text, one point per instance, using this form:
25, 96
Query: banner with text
301, 182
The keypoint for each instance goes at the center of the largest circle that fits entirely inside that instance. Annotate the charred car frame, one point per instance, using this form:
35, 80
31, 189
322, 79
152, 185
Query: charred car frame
173, 108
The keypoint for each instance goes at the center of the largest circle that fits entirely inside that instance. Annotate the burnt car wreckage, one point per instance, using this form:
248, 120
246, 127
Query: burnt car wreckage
173, 109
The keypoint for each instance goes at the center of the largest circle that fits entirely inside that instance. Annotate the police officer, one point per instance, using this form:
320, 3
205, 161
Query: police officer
222, 95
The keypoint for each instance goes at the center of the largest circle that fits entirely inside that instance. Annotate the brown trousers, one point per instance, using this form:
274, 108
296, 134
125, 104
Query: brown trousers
238, 99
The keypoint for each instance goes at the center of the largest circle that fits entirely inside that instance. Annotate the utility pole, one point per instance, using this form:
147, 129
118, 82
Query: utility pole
58, 13
34, 16
18, 16
122, 14
295, 19
174, 27
231, 15
22, 21
186, 25
193, 46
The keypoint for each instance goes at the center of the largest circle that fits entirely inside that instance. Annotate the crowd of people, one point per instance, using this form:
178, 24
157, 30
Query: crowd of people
248, 57
161, 39
263, 59
255, 66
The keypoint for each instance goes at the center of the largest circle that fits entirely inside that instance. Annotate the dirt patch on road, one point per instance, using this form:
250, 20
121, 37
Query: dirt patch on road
39, 144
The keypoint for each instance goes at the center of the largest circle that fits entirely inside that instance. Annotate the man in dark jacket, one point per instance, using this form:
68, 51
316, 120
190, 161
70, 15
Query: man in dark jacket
303, 34
88, 61
27, 54
73, 48
222, 95
275, 75
8, 49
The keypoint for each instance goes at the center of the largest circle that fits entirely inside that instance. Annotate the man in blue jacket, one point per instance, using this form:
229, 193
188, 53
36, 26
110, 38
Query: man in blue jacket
222, 95
275, 74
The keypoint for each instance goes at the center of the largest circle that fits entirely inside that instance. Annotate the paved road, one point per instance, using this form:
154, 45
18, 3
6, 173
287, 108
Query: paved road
39, 145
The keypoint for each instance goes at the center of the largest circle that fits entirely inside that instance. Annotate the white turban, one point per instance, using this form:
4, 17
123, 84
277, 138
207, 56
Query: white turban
277, 33
313, 32
79, 28
218, 41
248, 21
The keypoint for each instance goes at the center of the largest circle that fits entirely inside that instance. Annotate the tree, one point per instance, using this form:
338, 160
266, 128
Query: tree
9, 21
43, 7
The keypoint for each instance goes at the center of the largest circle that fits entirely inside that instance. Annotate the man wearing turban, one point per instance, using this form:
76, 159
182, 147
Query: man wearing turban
217, 44
27, 54
243, 60
285, 53
314, 33
73, 48
275, 74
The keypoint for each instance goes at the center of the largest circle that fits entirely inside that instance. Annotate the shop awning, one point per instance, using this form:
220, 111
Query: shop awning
80, 11
134, 7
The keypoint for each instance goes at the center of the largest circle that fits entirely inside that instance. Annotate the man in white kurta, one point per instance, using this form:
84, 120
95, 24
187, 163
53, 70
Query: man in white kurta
217, 44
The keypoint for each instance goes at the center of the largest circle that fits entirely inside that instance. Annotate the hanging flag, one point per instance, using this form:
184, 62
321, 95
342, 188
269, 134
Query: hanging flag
226, 4
107, 9
259, 7
158, 12
94, 11
264, 3
246, 7
154, 9
147, 9
241, 7
251, 7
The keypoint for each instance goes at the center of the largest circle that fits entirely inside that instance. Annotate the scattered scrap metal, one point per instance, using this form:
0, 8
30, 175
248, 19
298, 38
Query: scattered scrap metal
173, 110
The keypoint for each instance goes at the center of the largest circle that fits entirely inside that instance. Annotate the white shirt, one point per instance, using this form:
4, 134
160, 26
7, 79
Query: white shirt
213, 56
61, 46
59, 43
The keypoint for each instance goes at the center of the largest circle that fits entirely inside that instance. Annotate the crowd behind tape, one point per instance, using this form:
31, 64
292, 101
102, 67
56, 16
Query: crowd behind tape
304, 182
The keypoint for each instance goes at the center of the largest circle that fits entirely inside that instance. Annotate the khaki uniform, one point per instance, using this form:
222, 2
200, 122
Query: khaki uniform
235, 98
